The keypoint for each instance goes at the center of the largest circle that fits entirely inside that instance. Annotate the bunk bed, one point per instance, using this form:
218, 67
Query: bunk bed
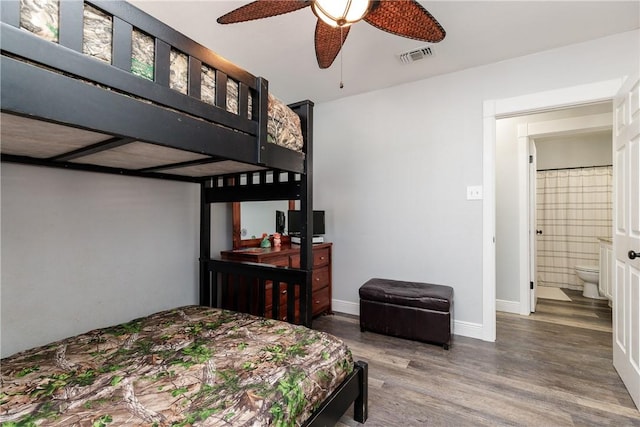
101, 86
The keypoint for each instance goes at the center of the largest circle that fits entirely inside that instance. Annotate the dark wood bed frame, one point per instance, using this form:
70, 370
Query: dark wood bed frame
57, 83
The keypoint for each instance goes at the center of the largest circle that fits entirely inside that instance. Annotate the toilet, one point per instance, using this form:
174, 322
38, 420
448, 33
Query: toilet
590, 275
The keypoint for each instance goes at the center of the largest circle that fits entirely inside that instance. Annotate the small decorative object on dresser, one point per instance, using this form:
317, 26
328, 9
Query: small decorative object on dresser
265, 243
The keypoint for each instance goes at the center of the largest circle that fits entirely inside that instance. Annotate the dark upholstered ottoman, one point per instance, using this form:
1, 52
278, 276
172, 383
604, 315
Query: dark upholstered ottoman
413, 310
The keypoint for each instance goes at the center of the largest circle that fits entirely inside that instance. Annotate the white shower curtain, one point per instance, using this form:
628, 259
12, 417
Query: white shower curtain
573, 210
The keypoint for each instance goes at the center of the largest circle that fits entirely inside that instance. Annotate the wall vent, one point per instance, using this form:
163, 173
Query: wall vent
415, 55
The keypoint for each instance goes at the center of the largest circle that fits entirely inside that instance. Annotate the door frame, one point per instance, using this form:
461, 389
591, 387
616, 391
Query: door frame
533, 224
500, 108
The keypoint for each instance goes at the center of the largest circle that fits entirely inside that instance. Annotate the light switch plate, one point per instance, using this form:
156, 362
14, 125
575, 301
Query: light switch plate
474, 192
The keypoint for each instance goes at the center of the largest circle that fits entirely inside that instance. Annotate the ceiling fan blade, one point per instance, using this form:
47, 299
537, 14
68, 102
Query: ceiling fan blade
406, 18
329, 41
262, 9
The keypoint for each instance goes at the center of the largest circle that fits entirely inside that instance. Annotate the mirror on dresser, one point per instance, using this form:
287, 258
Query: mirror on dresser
251, 219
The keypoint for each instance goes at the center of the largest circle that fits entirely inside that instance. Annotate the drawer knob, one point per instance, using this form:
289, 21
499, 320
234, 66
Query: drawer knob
322, 258
317, 279
284, 292
317, 301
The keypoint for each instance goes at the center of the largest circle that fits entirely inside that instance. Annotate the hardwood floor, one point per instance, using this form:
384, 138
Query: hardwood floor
553, 368
580, 311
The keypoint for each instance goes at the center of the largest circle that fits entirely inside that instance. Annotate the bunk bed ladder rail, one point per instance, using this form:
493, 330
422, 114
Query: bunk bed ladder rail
229, 279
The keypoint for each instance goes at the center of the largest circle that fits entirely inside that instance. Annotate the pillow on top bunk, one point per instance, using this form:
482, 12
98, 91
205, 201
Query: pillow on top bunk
283, 126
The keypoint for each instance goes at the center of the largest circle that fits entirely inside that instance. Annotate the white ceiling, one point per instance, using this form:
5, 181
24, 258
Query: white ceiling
281, 48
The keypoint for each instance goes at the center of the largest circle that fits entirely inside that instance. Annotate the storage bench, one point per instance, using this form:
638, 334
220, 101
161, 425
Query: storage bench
413, 310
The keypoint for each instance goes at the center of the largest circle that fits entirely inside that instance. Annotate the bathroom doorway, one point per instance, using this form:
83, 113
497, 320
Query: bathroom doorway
573, 133
626, 125
573, 210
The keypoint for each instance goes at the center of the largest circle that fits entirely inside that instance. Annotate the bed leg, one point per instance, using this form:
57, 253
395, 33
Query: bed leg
361, 404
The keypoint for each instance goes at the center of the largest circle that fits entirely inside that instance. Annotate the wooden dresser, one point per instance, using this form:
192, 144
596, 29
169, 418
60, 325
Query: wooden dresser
289, 256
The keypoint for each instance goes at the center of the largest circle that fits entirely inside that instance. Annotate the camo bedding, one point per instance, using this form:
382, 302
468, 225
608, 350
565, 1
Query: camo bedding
187, 366
41, 17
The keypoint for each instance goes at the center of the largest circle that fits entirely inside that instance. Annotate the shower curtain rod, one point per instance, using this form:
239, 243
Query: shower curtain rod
576, 167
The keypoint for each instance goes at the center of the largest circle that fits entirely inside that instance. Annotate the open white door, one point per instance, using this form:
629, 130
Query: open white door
533, 224
626, 236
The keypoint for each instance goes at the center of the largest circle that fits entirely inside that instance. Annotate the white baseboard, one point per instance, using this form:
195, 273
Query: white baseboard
508, 306
462, 328
345, 307
468, 329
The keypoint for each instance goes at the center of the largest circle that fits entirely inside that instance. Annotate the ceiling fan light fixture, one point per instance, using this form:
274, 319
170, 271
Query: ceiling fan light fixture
405, 18
340, 13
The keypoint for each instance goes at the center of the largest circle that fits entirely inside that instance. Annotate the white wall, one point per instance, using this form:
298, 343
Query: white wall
83, 250
391, 169
594, 149
221, 226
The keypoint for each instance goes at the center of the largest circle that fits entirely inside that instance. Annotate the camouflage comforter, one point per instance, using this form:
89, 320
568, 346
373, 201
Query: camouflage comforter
188, 366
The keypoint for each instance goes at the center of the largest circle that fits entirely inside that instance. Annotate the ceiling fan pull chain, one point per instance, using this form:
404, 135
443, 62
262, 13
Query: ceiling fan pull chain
341, 40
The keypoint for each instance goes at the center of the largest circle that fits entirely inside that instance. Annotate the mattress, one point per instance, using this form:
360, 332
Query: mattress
41, 17
186, 366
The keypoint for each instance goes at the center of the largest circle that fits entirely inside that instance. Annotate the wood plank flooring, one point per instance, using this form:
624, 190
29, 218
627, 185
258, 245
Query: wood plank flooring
581, 312
553, 368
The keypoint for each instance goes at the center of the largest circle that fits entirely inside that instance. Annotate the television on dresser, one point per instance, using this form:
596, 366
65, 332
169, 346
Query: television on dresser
294, 223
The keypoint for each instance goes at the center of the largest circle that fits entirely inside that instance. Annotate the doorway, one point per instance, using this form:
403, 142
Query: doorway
572, 204
627, 129
493, 109
566, 140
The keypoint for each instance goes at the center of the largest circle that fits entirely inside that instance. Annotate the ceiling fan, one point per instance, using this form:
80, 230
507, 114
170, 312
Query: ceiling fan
406, 18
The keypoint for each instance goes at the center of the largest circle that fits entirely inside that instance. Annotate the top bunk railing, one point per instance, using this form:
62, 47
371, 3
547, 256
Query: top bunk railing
253, 186
113, 45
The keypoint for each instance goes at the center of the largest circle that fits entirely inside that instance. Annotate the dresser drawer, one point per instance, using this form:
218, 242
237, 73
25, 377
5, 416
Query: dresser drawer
321, 257
282, 261
294, 261
282, 311
321, 301
320, 278
284, 291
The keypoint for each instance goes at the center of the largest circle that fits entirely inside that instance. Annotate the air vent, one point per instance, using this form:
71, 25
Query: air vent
415, 55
